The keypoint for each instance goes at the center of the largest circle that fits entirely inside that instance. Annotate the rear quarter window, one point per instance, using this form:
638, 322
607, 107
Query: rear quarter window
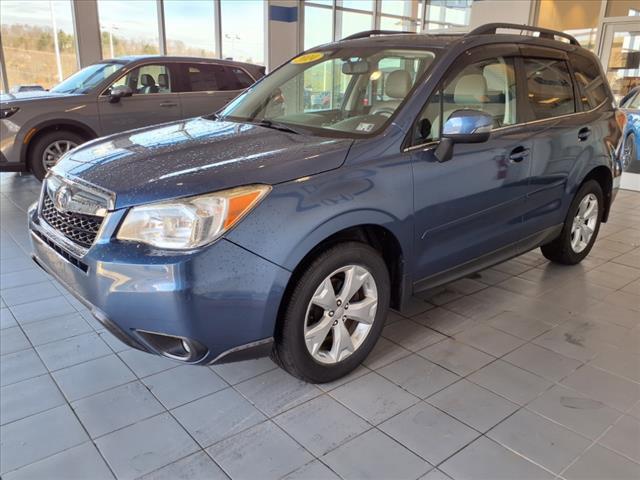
591, 84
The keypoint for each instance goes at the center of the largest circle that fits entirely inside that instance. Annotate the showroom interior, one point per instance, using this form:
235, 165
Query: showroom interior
526, 369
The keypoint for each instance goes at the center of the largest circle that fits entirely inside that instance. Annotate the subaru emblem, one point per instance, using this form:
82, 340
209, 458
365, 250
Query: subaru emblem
62, 198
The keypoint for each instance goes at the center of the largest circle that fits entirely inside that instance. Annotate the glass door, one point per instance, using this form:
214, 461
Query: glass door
620, 54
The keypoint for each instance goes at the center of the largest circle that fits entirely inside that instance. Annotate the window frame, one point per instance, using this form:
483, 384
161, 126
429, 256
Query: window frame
469, 57
170, 66
547, 53
185, 83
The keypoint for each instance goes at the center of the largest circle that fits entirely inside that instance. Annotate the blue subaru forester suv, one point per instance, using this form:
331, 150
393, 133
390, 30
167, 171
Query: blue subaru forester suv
282, 227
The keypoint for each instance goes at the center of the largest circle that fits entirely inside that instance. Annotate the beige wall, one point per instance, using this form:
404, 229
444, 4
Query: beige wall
489, 11
568, 14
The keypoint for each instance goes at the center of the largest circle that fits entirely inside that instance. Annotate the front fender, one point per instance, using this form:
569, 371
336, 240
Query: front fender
299, 215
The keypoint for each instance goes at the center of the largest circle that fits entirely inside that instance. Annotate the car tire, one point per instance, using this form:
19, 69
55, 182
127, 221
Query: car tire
300, 347
43, 151
629, 154
580, 228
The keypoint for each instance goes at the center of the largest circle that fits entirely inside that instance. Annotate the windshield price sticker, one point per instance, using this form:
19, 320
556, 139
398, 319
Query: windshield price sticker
365, 127
308, 58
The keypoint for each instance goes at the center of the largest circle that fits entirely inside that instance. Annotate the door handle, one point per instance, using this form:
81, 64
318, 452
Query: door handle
518, 154
168, 104
584, 133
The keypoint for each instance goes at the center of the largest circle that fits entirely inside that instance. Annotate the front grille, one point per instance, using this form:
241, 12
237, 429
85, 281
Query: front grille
79, 228
61, 251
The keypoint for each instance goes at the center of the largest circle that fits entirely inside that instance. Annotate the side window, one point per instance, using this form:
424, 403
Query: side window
147, 79
238, 78
635, 102
488, 85
550, 91
204, 77
590, 82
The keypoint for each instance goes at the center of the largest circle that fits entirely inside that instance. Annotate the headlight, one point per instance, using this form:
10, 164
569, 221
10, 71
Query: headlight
7, 112
190, 222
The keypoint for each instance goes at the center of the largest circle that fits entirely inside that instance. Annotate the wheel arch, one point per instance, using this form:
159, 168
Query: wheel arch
51, 125
377, 236
603, 176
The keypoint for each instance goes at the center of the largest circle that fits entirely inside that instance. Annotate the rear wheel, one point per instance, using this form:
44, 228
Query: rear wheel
48, 148
580, 228
334, 314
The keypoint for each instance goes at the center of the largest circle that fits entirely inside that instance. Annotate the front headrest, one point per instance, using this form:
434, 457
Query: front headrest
147, 80
163, 80
398, 84
471, 88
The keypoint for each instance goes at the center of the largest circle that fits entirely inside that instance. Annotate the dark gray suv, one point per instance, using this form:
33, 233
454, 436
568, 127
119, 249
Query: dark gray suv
37, 127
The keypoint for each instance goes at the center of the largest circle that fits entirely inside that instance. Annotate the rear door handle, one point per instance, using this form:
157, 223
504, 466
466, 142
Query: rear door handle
518, 154
584, 133
168, 104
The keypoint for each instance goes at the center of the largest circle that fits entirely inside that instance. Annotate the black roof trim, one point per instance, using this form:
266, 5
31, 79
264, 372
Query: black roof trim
491, 28
370, 33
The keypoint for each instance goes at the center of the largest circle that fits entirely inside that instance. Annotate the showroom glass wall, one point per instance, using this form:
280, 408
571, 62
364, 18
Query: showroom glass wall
32, 55
328, 20
608, 28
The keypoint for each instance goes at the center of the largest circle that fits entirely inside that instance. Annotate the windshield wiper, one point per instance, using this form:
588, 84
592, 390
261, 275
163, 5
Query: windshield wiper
277, 126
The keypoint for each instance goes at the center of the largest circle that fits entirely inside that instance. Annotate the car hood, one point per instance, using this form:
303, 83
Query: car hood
33, 95
197, 156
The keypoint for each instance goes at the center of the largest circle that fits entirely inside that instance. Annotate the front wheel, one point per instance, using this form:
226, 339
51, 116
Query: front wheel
580, 228
629, 153
334, 314
48, 148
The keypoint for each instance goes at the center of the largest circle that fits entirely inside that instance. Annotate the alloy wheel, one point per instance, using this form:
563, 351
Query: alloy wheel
340, 314
628, 152
584, 223
54, 151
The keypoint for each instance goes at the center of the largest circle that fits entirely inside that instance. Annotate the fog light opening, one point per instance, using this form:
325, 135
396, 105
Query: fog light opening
176, 348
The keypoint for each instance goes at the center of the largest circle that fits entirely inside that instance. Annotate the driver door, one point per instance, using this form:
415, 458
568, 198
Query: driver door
469, 209
154, 100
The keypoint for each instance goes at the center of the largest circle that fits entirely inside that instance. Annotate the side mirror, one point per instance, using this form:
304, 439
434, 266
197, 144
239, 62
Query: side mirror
119, 92
463, 126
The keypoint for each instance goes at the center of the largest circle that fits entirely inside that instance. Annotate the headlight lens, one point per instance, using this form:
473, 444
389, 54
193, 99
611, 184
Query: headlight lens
190, 222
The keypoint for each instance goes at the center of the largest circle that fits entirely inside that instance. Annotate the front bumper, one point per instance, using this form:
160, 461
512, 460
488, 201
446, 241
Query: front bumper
10, 160
223, 296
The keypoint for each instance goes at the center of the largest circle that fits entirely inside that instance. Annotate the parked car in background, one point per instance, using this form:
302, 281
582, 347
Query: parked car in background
630, 105
272, 227
27, 88
111, 96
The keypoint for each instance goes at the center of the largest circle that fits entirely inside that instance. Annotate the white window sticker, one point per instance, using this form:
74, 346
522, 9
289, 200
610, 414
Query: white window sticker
365, 127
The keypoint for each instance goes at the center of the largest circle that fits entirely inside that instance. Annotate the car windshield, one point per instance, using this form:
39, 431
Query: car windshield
87, 78
341, 92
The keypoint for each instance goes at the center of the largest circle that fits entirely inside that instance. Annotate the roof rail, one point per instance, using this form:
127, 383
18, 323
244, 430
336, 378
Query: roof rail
369, 33
491, 28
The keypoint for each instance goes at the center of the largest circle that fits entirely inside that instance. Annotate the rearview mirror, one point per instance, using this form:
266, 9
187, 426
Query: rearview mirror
463, 126
357, 67
121, 91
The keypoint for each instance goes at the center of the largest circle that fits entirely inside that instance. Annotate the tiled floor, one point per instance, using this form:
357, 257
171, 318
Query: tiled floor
527, 370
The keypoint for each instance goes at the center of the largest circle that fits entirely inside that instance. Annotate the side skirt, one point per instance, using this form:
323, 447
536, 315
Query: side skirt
488, 260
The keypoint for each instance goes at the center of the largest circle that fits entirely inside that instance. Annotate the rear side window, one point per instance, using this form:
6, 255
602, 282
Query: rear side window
204, 78
238, 78
550, 91
590, 82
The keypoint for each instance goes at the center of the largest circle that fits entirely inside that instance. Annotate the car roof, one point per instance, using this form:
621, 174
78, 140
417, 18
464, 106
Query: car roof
443, 39
173, 58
